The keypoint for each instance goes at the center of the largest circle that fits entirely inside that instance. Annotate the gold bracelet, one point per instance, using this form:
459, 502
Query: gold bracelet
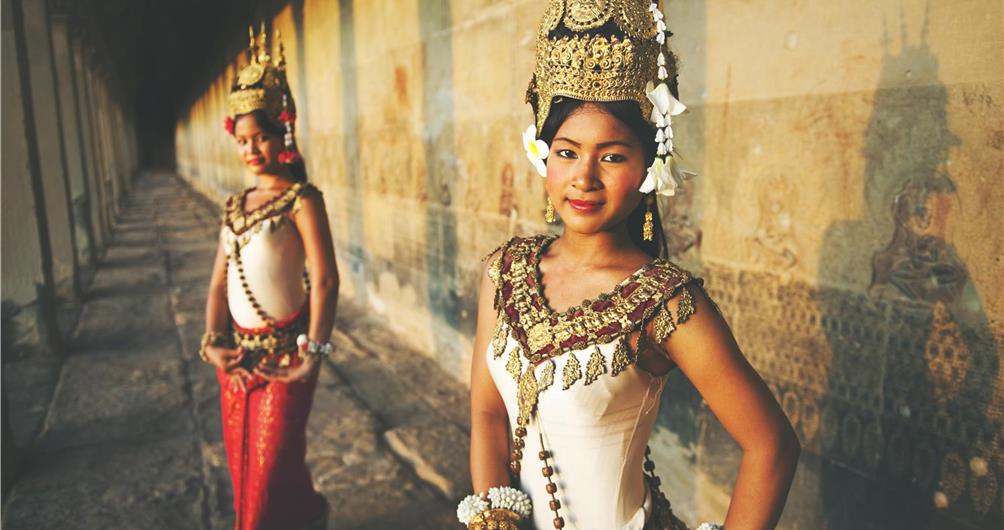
495, 518
212, 338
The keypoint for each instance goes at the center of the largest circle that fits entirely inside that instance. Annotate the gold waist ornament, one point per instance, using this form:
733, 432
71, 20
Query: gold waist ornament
275, 347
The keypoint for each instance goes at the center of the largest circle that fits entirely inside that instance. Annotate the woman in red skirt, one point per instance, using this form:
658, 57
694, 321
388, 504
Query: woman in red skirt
267, 319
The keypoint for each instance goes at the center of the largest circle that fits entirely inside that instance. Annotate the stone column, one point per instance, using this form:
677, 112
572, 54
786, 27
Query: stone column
75, 163
89, 129
26, 253
106, 148
52, 159
86, 142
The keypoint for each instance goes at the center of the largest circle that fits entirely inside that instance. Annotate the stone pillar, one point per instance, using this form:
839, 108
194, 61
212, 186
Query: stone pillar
80, 105
106, 148
52, 159
26, 253
89, 129
80, 196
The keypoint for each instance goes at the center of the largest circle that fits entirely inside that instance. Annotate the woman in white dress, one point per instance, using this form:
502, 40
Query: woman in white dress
576, 334
267, 320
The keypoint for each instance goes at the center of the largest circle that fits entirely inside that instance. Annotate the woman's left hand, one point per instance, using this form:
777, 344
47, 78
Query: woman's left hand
301, 372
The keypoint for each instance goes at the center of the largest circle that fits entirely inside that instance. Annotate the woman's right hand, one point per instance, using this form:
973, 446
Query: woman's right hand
229, 360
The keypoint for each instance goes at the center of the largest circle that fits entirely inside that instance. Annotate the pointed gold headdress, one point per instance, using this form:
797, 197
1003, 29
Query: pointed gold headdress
262, 85
602, 51
585, 64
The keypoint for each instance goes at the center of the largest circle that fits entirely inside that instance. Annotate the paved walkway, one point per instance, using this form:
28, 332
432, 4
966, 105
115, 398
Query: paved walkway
124, 430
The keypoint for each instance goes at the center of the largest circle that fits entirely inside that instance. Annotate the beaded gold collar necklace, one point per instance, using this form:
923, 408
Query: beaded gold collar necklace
239, 221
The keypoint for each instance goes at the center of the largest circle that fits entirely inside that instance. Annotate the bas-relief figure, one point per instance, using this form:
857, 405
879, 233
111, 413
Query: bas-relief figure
773, 240
922, 327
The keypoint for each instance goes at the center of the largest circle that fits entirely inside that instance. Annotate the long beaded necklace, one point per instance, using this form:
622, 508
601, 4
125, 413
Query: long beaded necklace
239, 264
662, 516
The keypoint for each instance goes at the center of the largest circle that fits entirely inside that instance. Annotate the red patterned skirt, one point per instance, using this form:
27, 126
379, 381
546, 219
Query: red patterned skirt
265, 435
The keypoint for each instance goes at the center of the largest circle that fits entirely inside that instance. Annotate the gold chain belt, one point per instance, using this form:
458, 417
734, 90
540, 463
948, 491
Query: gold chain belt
275, 347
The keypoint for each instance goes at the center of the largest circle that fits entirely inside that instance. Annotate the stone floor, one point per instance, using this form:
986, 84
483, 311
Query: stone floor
123, 431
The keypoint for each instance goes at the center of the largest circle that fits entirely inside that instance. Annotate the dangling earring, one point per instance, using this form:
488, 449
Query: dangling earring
648, 227
549, 212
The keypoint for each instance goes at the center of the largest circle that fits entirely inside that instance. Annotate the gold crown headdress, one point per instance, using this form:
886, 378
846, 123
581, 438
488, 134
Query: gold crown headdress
579, 57
262, 85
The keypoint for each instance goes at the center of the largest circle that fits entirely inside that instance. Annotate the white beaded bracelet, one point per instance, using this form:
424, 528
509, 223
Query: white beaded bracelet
506, 498
469, 507
499, 498
710, 526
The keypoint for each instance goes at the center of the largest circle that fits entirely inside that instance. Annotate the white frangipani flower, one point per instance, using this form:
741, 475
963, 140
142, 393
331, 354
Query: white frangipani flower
663, 101
665, 176
659, 178
664, 107
536, 150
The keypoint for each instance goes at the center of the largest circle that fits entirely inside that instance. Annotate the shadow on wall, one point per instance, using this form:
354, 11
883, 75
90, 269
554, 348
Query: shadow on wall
906, 436
892, 391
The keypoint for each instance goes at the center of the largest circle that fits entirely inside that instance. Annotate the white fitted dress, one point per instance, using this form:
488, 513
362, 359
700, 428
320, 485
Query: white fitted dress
594, 407
272, 256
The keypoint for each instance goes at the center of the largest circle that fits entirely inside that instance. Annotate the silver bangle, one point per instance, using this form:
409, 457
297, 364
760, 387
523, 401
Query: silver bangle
314, 348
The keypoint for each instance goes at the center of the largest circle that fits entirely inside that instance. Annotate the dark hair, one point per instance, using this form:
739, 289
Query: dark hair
298, 169
628, 113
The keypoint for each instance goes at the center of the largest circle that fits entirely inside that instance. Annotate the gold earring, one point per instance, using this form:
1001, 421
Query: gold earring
648, 227
549, 212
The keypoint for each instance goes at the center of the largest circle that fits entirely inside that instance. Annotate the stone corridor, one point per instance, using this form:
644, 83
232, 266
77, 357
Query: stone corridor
124, 431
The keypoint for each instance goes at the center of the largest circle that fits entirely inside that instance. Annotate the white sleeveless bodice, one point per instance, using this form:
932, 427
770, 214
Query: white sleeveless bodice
272, 255
571, 377
596, 434
273, 260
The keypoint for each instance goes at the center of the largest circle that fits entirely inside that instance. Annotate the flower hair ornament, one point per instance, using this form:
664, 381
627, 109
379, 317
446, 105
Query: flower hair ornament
262, 85
664, 176
590, 66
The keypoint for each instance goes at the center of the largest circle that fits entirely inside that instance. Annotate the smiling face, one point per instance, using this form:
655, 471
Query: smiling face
594, 169
257, 146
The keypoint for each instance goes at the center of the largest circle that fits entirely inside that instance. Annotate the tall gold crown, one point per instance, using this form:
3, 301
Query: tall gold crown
587, 62
261, 85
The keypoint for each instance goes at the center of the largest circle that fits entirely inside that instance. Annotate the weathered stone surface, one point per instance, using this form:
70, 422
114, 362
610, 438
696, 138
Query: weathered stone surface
418, 373
108, 396
155, 484
35, 378
437, 453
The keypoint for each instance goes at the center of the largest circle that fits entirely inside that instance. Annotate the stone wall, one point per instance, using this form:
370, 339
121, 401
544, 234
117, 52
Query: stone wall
848, 218
68, 156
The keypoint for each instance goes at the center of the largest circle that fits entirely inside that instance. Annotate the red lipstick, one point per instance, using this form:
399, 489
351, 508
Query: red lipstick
584, 206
